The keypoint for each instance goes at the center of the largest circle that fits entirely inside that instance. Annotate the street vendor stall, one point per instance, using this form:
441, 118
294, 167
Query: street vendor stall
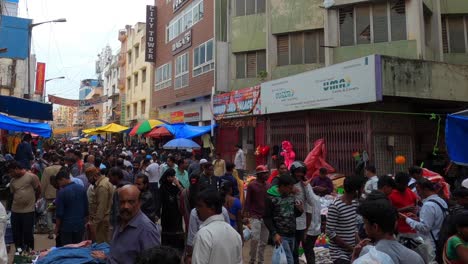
9, 123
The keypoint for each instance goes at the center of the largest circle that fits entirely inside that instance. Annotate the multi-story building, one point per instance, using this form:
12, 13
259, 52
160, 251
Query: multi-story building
109, 72
185, 60
282, 45
139, 75
87, 86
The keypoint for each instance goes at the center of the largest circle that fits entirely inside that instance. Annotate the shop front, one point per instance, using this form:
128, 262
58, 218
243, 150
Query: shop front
237, 114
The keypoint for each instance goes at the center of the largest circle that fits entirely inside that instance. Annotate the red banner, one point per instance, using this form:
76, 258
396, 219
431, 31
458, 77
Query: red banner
243, 102
77, 103
40, 78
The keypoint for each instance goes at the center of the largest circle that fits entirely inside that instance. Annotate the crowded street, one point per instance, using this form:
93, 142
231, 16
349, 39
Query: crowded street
234, 131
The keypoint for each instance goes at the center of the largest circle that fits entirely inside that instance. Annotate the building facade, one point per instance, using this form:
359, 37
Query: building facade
139, 75
272, 40
185, 60
108, 71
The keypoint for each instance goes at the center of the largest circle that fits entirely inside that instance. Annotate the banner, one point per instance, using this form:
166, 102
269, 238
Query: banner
353, 82
243, 102
177, 117
40, 78
150, 50
77, 103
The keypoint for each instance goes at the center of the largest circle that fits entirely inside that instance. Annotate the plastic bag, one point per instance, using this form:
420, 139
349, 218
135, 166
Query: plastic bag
279, 256
374, 257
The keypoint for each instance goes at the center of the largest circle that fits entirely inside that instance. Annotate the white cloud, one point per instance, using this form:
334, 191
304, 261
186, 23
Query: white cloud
70, 49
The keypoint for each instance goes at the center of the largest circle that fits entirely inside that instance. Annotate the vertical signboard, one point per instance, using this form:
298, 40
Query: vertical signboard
150, 50
40, 78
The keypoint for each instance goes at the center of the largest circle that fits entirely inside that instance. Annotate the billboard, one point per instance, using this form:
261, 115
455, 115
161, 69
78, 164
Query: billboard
40, 78
150, 50
353, 82
14, 37
237, 103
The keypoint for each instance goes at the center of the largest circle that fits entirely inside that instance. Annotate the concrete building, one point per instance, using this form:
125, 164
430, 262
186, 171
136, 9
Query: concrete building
420, 75
186, 51
109, 72
139, 75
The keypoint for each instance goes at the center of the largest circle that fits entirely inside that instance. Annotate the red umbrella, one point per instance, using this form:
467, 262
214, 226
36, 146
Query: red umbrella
159, 132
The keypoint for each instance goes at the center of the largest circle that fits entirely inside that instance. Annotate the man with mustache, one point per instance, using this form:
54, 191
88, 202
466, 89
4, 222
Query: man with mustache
135, 232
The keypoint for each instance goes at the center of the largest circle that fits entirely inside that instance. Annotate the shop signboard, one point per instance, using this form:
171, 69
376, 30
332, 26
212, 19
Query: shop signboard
353, 82
192, 115
182, 43
177, 117
40, 78
243, 102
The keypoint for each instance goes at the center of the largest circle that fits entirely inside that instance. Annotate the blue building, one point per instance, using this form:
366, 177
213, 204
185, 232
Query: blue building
87, 86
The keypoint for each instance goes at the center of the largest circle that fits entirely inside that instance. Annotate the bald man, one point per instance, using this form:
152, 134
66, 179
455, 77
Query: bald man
135, 232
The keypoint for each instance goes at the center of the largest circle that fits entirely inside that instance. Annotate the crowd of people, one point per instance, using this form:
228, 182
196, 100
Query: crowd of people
152, 205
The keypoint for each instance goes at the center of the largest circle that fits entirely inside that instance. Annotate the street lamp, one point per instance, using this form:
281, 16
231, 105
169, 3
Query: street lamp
60, 20
45, 86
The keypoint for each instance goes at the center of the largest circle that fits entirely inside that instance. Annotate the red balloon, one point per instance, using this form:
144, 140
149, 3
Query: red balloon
264, 150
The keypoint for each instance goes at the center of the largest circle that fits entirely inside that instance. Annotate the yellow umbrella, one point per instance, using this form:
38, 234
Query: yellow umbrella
84, 140
110, 128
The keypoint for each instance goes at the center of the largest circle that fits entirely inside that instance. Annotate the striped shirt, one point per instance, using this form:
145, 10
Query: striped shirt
341, 222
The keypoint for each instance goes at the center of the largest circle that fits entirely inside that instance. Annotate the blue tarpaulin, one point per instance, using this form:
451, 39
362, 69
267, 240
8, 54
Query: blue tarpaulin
41, 129
14, 36
456, 137
25, 108
13, 1
187, 131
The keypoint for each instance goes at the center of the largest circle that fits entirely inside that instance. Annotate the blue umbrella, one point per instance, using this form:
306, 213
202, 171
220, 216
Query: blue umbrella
93, 138
181, 143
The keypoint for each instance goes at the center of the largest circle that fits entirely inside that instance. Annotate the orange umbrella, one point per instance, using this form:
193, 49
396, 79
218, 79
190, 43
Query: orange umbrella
159, 132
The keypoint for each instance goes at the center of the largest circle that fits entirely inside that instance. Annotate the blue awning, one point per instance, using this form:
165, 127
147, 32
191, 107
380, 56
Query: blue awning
25, 108
41, 129
187, 131
456, 134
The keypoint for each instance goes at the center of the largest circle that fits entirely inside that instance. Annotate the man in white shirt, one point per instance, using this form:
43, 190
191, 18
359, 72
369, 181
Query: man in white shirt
239, 161
210, 246
372, 180
154, 175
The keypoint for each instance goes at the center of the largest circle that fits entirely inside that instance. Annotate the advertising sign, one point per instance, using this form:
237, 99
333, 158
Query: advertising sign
192, 115
182, 43
40, 78
178, 4
177, 117
237, 103
150, 49
353, 82
77, 103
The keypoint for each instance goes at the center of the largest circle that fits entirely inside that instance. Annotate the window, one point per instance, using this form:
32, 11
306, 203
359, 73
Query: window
137, 51
249, 7
185, 20
135, 107
398, 20
454, 35
203, 58
164, 76
143, 107
374, 23
135, 79
300, 48
143, 75
250, 64
129, 57
128, 112
181, 71
129, 83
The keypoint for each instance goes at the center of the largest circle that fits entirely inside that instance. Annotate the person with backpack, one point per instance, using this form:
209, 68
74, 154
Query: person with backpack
431, 216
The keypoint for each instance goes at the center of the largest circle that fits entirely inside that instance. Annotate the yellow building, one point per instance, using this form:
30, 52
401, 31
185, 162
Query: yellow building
139, 76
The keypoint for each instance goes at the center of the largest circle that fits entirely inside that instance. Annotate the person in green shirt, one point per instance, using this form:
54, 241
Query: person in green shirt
181, 173
457, 245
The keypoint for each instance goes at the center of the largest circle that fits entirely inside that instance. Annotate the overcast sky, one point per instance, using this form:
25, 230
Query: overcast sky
70, 49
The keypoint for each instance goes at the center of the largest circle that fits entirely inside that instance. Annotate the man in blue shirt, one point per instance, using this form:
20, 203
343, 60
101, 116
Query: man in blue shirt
71, 209
135, 232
